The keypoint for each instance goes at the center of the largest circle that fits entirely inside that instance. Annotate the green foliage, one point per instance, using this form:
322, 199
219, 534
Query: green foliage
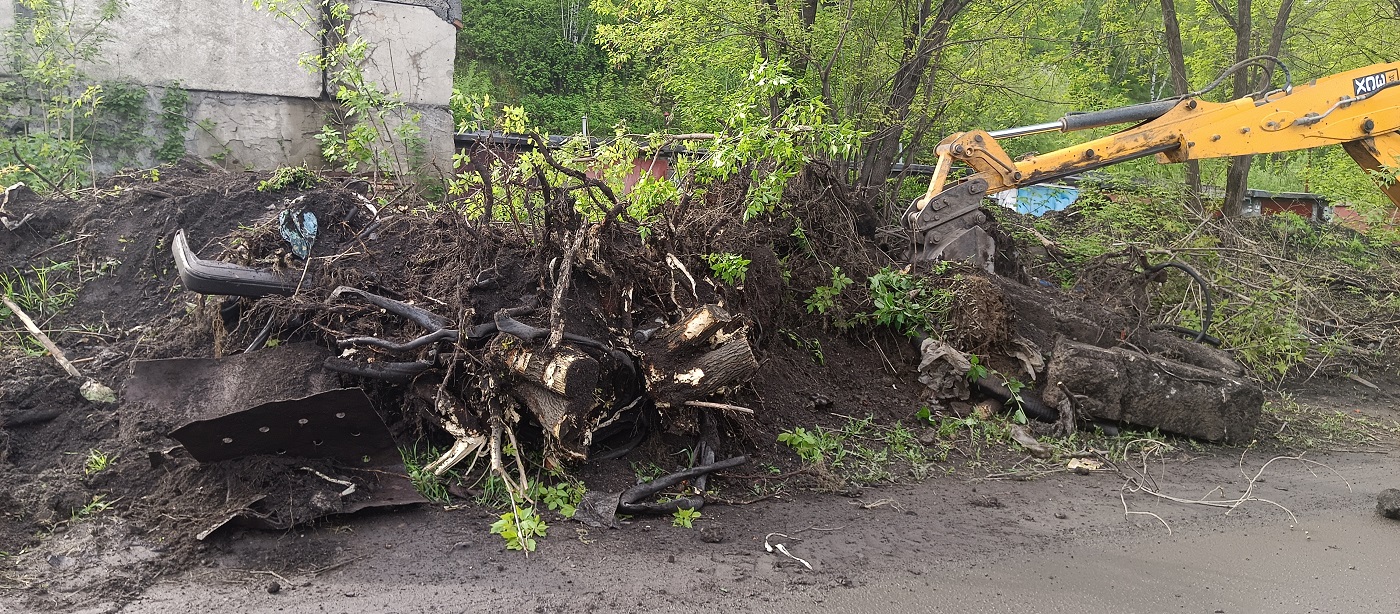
812, 446
812, 346
97, 505
1014, 386
865, 452
773, 148
118, 123
62, 123
41, 291
908, 303
729, 268
1305, 427
648, 196
823, 298
978, 370
50, 104
685, 517
174, 122
647, 472
563, 498
290, 177
540, 55
519, 528
430, 486
1117, 213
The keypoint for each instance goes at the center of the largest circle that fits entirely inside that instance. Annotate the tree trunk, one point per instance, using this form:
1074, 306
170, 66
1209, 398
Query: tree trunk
1176, 56
557, 386
1237, 177
1126, 386
922, 44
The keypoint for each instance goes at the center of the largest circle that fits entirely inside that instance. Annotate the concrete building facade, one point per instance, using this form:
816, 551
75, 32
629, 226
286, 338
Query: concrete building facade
253, 104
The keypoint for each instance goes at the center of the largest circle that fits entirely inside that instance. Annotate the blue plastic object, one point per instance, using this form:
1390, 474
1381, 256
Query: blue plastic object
299, 229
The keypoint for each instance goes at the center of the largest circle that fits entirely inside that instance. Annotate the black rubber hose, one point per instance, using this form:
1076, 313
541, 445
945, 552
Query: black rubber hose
1209, 312
263, 334
1189, 332
1033, 407
531, 334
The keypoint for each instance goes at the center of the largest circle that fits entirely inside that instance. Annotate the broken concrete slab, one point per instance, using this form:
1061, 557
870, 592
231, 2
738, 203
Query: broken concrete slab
1127, 386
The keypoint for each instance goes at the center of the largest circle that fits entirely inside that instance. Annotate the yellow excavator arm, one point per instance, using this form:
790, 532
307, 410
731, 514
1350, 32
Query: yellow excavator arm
1358, 109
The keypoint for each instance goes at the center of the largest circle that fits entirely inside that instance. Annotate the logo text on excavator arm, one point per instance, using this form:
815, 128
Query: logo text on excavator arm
1370, 83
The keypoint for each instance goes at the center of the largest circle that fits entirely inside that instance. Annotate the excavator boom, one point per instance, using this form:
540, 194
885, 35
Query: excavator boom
1358, 109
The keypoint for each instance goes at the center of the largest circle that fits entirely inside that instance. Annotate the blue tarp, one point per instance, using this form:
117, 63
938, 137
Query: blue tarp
1039, 199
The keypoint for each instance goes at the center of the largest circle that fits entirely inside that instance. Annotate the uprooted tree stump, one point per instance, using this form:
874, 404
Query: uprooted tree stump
704, 353
1126, 386
558, 386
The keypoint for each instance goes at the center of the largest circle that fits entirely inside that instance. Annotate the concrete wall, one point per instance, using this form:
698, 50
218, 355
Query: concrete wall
242, 67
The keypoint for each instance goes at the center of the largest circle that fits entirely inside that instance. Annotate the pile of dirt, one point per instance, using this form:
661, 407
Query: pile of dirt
509, 310
117, 299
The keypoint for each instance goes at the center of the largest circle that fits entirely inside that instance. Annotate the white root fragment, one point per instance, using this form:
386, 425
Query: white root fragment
675, 263
350, 490
720, 406
782, 548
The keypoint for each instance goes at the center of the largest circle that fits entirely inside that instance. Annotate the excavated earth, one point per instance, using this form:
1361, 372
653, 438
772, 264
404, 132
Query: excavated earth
965, 539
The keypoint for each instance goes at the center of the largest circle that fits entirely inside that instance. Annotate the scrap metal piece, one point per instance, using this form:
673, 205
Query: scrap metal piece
278, 401
214, 277
338, 424
376, 488
259, 418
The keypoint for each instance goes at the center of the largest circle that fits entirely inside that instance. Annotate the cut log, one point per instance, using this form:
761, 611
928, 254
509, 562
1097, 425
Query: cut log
558, 387
694, 329
1126, 386
731, 363
704, 353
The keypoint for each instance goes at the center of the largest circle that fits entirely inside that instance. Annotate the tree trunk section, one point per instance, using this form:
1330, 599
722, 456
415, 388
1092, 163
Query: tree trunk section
557, 386
1129, 387
1237, 177
704, 353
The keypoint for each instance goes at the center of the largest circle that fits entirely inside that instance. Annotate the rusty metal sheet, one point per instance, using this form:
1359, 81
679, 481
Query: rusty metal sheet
337, 424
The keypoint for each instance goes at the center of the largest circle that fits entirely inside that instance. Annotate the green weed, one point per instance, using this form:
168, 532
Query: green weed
685, 517
97, 505
1293, 425
520, 527
563, 498
907, 303
290, 177
430, 486
824, 298
647, 472
97, 461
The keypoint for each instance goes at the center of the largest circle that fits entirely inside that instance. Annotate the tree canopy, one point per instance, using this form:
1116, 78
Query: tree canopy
905, 73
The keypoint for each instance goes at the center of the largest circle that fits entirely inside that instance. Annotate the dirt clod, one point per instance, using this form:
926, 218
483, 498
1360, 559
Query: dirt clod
1388, 503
